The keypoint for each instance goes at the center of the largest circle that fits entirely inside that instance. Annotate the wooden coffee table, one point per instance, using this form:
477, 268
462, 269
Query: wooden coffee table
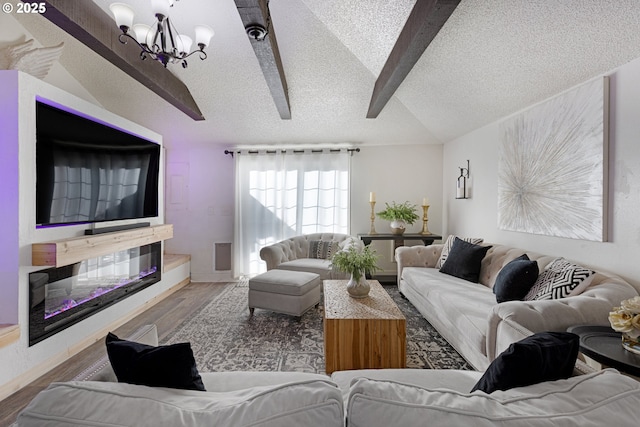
362, 333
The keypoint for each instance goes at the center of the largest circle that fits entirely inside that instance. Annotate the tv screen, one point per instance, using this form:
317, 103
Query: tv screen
88, 172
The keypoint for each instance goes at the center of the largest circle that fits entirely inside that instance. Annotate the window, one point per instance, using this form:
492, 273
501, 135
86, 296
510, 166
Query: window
285, 194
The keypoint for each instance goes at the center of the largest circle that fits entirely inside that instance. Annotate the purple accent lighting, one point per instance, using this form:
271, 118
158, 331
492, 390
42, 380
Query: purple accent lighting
69, 303
62, 296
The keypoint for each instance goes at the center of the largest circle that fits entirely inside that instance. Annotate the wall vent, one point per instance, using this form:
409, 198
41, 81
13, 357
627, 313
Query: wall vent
222, 256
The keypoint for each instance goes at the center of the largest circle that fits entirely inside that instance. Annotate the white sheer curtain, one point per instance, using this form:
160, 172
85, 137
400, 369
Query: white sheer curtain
285, 194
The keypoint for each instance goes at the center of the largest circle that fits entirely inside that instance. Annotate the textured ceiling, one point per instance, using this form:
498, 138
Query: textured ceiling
492, 57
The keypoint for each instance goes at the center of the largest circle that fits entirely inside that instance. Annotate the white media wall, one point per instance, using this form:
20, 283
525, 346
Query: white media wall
478, 216
19, 363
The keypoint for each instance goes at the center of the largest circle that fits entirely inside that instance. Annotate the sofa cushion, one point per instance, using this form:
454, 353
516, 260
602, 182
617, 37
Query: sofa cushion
545, 356
451, 379
163, 366
560, 279
225, 381
456, 307
303, 403
464, 260
285, 282
446, 248
515, 279
312, 265
322, 249
602, 398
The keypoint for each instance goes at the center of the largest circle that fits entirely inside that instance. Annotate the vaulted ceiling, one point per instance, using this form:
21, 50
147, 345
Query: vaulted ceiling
491, 58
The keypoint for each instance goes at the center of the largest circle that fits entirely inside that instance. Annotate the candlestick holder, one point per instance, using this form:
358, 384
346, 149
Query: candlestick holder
372, 230
425, 218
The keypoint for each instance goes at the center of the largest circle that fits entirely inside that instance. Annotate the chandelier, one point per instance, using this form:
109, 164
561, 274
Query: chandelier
160, 41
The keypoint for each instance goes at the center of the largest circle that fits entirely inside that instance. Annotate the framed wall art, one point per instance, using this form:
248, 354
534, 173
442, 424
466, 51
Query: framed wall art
552, 167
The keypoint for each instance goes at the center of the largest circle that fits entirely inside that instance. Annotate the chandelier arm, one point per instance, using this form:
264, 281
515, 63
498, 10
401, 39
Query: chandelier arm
171, 38
123, 39
203, 54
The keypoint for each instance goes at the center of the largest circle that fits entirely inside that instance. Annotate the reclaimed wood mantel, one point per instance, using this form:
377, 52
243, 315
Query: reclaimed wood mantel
68, 251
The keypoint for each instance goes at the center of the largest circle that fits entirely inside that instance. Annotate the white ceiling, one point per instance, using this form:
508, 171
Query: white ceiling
491, 58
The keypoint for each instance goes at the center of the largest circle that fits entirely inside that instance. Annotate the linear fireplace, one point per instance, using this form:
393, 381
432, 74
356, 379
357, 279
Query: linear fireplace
62, 296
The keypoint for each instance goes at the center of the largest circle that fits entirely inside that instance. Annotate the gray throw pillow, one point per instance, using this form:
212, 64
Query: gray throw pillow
322, 249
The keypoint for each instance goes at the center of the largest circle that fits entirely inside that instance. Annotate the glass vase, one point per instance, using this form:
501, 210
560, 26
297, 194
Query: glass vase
630, 344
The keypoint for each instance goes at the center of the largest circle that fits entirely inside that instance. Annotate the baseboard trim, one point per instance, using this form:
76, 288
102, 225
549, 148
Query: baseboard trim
33, 374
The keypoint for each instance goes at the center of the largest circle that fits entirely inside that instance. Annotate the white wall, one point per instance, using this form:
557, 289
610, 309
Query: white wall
395, 173
200, 197
478, 215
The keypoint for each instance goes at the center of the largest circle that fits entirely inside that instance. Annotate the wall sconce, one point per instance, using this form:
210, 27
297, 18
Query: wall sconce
461, 185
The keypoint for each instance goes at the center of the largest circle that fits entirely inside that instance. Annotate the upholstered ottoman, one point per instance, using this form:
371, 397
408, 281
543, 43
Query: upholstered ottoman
284, 291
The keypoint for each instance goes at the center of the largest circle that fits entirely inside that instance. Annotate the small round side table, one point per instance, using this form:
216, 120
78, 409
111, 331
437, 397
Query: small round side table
604, 345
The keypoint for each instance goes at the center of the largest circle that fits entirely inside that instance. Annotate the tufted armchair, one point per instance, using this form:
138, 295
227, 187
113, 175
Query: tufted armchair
295, 254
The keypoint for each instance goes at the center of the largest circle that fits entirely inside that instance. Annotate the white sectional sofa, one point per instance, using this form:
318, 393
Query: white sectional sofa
467, 315
296, 253
371, 398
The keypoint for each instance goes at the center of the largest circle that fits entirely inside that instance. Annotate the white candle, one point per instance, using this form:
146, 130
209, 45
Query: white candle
425, 202
372, 197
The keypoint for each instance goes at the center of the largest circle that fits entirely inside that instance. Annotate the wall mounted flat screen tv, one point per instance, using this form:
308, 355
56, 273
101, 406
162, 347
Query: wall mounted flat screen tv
88, 172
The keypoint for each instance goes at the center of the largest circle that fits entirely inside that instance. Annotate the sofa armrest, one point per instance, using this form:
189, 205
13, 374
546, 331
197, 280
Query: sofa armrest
417, 256
274, 255
539, 316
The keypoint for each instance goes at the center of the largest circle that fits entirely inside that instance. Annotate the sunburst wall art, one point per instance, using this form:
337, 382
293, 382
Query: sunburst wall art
552, 173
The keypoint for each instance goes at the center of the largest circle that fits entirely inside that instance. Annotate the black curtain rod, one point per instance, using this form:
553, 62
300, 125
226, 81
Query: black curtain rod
331, 150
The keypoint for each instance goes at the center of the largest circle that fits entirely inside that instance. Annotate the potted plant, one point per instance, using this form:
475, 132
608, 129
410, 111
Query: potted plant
399, 215
357, 260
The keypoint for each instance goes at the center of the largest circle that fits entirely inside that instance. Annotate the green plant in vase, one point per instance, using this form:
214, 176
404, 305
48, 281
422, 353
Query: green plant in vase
358, 261
399, 215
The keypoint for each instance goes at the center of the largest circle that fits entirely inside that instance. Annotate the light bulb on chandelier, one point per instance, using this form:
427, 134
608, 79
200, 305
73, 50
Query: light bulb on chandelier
160, 41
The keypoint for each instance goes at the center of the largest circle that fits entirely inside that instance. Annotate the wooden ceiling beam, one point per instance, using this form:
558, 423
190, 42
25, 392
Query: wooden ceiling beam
254, 12
424, 22
88, 23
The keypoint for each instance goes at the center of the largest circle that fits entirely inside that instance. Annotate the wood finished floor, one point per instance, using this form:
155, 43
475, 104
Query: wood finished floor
167, 314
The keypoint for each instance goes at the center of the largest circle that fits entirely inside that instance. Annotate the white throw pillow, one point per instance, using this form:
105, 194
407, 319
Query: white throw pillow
313, 402
449, 243
560, 279
604, 398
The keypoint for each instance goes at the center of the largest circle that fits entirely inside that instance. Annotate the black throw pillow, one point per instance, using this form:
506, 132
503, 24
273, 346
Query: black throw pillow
515, 279
171, 366
464, 260
545, 356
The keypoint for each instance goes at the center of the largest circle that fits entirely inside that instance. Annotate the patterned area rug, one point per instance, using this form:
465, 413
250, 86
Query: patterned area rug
225, 338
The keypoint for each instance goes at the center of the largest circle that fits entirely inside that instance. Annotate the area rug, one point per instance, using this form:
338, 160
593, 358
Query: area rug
224, 337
